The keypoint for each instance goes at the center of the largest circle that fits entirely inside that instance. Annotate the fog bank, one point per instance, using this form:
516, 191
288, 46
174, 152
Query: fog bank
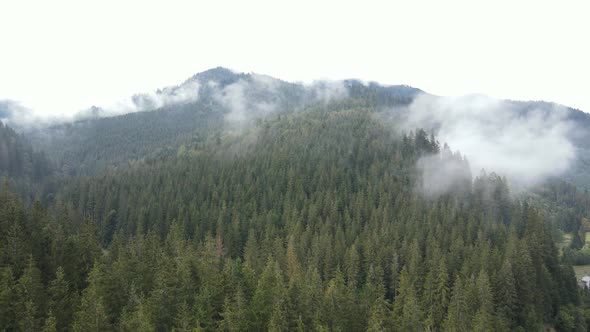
525, 145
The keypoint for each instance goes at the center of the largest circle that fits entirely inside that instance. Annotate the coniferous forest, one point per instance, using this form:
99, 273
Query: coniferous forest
318, 216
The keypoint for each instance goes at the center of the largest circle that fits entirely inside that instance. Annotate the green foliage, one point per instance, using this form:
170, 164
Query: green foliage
92, 315
318, 222
50, 323
458, 315
62, 300
8, 299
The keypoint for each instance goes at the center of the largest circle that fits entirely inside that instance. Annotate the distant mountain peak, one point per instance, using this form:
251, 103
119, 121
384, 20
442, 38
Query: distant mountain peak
219, 70
220, 75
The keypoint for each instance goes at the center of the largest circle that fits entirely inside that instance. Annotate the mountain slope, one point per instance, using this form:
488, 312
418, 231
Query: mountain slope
309, 220
215, 100
242, 202
23, 168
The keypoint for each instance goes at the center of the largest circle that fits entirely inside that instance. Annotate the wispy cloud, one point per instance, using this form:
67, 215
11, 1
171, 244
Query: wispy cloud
326, 91
247, 100
17, 115
526, 145
187, 92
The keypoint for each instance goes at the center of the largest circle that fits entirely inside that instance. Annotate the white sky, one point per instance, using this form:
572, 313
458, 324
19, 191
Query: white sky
62, 56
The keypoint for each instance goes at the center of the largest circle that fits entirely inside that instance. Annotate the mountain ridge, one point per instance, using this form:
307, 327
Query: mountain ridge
225, 100
10, 110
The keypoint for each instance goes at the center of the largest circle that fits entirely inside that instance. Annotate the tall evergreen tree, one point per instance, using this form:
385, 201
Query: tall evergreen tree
91, 314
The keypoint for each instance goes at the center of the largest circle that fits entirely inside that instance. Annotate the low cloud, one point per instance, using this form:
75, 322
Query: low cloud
10, 109
526, 145
245, 101
246, 97
186, 92
258, 96
444, 172
327, 91
17, 115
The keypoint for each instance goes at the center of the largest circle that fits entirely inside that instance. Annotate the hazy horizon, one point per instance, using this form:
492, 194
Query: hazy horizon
97, 54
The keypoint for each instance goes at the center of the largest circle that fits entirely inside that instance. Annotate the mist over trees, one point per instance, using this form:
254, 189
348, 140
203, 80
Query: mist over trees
267, 205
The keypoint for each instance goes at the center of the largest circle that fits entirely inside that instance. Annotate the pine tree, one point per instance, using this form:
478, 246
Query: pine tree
14, 245
278, 318
50, 324
269, 293
505, 293
394, 272
379, 316
407, 311
91, 315
31, 297
27, 320
352, 266
60, 301
293, 265
184, 319
484, 316
138, 319
457, 319
439, 300
312, 298
336, 307
8, 297
235, 313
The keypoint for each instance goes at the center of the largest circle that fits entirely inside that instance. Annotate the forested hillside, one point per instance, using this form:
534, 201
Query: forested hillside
217, 99
313, 220
22, 166
259, 204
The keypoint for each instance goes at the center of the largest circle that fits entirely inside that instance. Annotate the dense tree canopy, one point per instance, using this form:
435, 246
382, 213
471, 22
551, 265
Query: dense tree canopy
309, 220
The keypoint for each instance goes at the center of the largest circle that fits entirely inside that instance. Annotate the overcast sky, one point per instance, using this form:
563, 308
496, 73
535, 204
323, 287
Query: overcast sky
58, 57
